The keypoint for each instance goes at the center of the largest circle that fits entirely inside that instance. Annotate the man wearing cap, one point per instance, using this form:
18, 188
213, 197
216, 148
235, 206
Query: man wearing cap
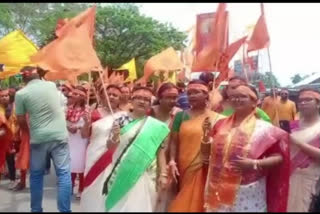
48, 136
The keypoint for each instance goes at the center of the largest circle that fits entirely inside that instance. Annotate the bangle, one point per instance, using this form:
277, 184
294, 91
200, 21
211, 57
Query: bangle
172, 162
164, 174
207, 142
256, 165
205, 161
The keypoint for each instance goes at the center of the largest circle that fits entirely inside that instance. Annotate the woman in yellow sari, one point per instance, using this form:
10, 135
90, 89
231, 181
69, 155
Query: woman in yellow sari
249, 160
185, 163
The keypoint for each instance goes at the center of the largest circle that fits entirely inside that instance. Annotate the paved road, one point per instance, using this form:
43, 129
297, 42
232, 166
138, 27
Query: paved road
20, 201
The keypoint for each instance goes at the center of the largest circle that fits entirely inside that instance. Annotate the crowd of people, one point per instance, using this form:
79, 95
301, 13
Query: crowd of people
180, 148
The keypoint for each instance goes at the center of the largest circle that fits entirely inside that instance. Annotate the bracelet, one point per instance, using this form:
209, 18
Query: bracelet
164, 175
208, 142
205, 161
256, 165
172, 162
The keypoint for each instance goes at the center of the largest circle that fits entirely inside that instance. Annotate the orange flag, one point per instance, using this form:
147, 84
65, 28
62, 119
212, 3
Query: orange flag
167, 60
71, 54
87, 17
234, 47
225, 58
260, 37
207, 58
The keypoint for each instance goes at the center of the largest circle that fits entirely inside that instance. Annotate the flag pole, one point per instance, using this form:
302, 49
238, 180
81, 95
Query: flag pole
106, 93
96, 95
273, 87
244, 64
214, 76
89, 90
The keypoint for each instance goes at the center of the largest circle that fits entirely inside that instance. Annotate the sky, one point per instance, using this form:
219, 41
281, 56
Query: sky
293, 29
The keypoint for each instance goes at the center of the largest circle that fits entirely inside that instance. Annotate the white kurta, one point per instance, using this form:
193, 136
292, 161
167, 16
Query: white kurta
78, 146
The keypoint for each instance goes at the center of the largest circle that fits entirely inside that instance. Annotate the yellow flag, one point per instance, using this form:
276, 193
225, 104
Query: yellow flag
131, 67
172, 77
15, 52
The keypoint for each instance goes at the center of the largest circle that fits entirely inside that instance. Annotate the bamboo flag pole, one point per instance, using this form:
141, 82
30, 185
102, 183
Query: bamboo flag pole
277, 122
89, 90
244, 64
106, 93
258, 55
96, 95
214, 76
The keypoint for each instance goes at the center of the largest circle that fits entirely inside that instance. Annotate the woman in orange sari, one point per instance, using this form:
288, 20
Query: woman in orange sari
249, 160
185, 150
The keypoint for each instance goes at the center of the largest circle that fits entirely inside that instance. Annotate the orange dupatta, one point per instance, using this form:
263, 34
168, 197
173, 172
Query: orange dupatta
223, 183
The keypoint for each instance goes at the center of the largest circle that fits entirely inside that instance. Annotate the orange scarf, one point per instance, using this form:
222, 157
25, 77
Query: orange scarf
223, 183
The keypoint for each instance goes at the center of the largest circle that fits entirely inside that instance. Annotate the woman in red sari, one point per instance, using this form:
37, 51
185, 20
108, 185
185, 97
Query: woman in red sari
6, 135
248, 162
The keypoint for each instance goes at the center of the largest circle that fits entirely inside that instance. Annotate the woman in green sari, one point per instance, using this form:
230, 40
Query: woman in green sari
131, 184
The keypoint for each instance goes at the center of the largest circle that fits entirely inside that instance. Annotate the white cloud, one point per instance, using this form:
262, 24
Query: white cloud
292, 27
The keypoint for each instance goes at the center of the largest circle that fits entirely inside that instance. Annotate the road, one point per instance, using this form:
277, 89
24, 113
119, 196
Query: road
20, 201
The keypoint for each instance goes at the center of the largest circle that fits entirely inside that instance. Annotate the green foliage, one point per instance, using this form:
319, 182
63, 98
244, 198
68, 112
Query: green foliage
121, 31
36, 20
268, 79
298, 78
13, 81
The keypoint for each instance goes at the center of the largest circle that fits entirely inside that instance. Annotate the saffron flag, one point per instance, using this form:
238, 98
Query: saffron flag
15, 52
71, 54
166, 61
260, 37
87, 17
234, 47
211, 39
131, 67
223, 66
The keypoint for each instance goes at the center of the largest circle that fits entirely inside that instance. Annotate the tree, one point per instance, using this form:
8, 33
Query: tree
268, 79
297, 78
123, 33
36, 20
